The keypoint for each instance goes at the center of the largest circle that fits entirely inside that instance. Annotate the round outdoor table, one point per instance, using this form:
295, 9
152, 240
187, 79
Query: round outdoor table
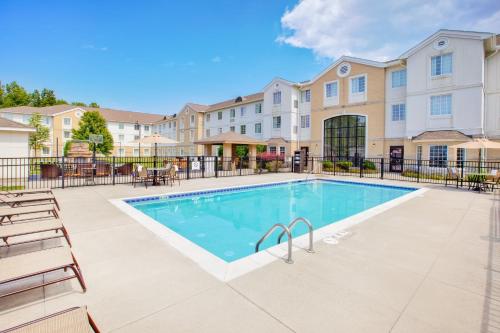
476, 179
156, 172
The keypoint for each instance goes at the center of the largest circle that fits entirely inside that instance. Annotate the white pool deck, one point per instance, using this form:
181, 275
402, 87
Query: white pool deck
429, 264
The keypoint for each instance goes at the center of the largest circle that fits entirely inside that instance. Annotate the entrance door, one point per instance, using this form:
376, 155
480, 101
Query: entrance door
396, 156
306, 154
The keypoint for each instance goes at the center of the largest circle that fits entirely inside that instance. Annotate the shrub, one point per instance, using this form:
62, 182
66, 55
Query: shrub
327, 165
369, 165
344, 165
272, 166
271, 157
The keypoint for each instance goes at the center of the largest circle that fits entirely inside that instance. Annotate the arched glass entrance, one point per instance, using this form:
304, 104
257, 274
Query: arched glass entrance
345, 138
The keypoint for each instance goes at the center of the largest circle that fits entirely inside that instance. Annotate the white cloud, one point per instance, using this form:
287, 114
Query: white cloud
216, 59
380, 30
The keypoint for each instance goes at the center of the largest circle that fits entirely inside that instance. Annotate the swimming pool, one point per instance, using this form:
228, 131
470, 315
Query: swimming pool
228, 222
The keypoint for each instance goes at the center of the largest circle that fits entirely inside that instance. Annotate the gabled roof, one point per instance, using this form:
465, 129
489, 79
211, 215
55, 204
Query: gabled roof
10, 125
279, 79
348, 59
109, 114
446, 33
233, 102
197, 107
230, 137
446, 135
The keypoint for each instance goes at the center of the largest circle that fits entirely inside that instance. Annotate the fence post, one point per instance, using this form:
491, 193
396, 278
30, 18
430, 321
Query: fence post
203, 167
63, 172
241, 164
276, 165
334, 166
382, 168
113, 170
462, 174
360, 168
188, 166
418, 170
216, 167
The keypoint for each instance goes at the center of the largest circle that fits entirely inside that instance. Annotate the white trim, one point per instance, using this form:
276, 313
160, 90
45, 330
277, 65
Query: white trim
17, 129
225, 271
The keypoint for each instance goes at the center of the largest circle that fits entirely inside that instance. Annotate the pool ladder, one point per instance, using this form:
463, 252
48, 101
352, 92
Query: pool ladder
287, 230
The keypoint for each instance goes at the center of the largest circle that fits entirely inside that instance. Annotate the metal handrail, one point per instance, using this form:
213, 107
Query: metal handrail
285, 230
292, 225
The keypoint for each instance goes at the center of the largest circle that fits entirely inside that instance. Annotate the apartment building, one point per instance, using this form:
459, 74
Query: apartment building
125, 126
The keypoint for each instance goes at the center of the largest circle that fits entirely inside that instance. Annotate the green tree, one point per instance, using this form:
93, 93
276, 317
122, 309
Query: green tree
92, 122
61, 101
94, 105
241, 151
15, 95
261, 148
41, 135
36, 99
2, 92
47, 97
78, 104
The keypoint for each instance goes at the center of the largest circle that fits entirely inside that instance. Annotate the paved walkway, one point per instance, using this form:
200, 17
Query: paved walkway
431, 264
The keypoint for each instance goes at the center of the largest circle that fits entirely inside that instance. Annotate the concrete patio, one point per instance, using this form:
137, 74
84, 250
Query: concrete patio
431, 264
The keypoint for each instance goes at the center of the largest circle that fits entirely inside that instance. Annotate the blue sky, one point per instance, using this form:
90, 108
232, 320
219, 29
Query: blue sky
155, 56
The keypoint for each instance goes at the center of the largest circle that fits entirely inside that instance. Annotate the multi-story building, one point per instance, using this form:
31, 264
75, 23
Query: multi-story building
125, 126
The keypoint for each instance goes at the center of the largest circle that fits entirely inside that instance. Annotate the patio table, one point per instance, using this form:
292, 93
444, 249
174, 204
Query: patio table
156, 172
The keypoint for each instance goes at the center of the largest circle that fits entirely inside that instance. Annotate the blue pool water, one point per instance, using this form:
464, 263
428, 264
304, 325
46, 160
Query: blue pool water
228, 224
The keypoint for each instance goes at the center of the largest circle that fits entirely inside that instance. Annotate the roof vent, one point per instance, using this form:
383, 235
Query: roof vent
238, 99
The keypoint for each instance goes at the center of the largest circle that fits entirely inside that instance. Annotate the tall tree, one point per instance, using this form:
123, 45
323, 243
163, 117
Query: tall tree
15, 95
41, 135
48, 97
1, 94
36, 99
92, 122
78, 104
61, 101
94, 105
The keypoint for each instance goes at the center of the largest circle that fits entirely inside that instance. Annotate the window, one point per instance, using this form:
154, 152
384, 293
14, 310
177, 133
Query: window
137, 127
419, 153
232, 129
243, 111
258, 128
219, 115
258, 108
136, 137
305, 96
358, 85
207, 133
45, 150
345, 137
220, 130
146, 128
398, 112
272, 149
192, 119
282, 150
305, 121
460, 157
208, 116
277, 97
175, 124
67, 134
442, 64
277, 122
398, 78
243, 129
121, 151
232, 113
169, 125
438, 156
331, 89
121, 138
67, 121
121, 126
191, 135
46, 120
295, 103
147, 152
441, 105
135, 152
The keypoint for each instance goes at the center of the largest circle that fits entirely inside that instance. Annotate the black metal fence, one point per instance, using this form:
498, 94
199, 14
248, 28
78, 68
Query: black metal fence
411, 170
60, 172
